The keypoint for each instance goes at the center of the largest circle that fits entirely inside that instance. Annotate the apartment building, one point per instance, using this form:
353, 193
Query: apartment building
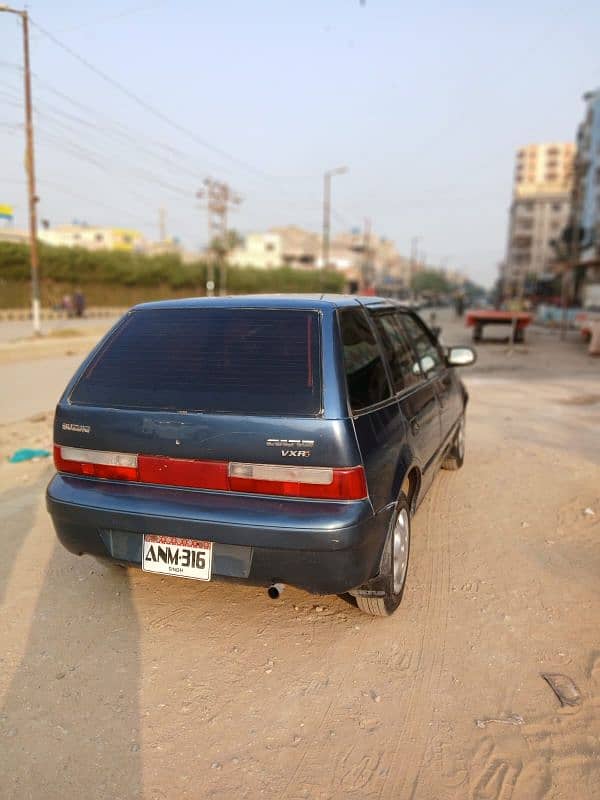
540, 208
588, 176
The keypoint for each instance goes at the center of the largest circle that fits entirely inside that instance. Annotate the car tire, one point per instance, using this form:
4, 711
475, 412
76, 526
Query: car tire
394, 566
455, 457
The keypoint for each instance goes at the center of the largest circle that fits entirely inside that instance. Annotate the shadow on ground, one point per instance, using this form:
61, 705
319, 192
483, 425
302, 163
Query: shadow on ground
68, 728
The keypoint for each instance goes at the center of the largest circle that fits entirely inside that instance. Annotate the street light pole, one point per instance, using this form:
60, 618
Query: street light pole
30, 168
327, 212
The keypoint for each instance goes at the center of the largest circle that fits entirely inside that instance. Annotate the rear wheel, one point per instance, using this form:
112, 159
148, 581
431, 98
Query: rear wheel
456, 455
394, 566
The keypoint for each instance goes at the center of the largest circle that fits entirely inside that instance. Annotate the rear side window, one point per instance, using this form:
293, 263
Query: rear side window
405, 372
365, 373
240, 361
427, 351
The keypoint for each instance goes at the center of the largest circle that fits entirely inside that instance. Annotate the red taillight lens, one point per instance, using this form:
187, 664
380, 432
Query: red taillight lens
323, 483
184, 472
96, 463
313, 482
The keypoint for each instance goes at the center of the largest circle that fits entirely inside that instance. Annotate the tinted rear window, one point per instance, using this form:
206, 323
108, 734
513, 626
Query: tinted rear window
241, 361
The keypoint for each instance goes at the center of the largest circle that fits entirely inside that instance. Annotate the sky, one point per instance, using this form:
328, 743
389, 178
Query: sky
425, 103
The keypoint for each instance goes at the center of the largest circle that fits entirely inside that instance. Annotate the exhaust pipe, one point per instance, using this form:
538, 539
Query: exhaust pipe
275, 590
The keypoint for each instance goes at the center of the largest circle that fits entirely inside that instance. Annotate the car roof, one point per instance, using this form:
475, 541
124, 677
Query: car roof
316, 301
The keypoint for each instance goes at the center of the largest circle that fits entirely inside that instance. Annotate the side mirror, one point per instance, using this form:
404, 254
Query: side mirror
460, 356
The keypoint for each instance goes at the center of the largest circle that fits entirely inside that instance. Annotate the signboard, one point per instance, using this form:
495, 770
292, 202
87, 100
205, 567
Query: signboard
6, 212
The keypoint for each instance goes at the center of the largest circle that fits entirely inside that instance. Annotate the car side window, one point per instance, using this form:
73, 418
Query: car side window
429, 357
397, 352
365, 374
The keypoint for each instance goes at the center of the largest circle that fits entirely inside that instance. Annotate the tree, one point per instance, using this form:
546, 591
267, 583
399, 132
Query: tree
221, 246
430, 281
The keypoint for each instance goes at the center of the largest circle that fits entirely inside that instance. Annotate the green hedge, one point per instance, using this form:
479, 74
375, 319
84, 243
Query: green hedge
77, 267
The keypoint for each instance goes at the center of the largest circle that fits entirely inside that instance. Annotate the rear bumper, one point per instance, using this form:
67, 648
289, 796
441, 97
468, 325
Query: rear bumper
323, 547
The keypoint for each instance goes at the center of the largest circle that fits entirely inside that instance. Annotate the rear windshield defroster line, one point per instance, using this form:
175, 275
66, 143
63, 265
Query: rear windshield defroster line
238, 361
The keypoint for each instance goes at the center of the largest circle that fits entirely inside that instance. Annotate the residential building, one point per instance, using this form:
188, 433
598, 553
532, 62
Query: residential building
14, 235
93, 237
261, 250
300, 249
539, 211
587, 193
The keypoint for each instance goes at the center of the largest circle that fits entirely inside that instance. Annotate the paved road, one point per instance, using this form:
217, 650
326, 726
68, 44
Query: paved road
30, 387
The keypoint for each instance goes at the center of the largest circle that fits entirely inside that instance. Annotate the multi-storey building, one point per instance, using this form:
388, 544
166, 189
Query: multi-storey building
539, 211
587, 193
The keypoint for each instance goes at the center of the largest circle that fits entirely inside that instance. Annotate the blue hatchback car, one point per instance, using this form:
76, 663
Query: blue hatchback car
270, 439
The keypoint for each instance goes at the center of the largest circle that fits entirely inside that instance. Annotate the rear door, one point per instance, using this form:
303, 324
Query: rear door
416, 396
434, 368
379, 426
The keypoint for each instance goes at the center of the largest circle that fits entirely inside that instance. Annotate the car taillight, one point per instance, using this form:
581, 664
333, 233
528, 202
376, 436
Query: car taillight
324, 483
96, 463
318, 482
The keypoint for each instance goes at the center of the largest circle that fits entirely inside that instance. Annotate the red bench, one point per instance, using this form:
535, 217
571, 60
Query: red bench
479, 318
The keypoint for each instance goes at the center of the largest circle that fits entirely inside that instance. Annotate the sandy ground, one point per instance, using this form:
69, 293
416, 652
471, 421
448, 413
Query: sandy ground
119, 684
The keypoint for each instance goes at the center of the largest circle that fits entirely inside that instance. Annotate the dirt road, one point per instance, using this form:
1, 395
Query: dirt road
119, 684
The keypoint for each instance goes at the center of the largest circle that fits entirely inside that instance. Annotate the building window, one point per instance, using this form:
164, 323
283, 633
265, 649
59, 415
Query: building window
269, 247
551, 176
76, 237
99, 237
556, 206
553, 151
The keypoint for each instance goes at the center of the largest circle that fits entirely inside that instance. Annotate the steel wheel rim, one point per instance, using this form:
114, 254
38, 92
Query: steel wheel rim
460, 439
400, 554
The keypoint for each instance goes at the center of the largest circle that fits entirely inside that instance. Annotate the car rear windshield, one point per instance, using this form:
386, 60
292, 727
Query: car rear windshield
239, 361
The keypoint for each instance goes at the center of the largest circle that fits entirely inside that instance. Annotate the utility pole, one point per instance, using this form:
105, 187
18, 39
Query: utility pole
30, 168
327, 212
219, 199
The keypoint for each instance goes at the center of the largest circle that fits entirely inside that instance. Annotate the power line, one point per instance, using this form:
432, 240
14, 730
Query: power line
124, 133
150, 108
104, 20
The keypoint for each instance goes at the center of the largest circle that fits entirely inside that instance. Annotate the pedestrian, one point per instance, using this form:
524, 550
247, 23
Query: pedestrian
79, 303
459, 304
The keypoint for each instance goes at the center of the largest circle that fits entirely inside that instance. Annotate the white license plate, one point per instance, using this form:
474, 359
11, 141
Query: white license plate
184, 558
